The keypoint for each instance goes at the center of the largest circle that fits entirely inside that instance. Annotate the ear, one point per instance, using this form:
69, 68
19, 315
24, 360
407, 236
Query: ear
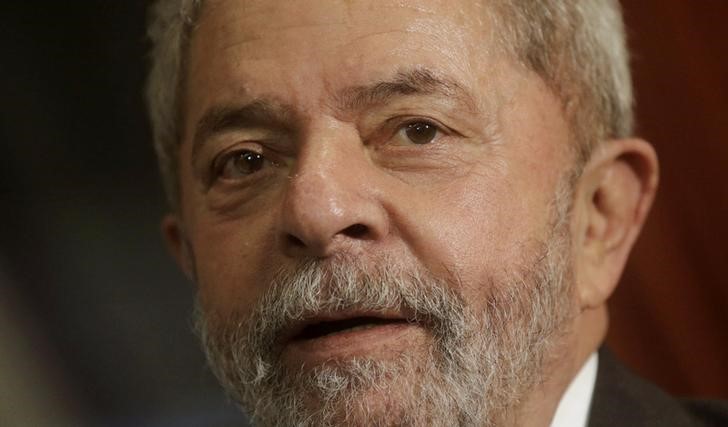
178, 244
613, 197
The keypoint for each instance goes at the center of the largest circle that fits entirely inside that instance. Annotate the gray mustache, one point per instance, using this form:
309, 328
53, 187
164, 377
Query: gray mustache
316, 288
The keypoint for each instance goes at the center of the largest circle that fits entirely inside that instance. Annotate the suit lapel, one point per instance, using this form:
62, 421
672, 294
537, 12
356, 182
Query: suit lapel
622, 399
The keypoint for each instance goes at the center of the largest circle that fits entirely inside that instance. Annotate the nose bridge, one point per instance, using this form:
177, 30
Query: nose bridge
329, 199
320, 182
327, 158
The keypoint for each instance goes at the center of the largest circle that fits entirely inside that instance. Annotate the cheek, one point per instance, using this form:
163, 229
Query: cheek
486, 236
469, 229
229, 245
487, 224
230, 259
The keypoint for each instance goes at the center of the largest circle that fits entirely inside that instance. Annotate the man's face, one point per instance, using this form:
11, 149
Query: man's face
384, 145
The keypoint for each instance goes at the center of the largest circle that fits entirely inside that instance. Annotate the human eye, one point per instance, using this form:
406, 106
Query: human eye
239, 164
419, 132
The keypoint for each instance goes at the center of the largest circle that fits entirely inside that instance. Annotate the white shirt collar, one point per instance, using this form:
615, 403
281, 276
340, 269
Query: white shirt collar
573, 409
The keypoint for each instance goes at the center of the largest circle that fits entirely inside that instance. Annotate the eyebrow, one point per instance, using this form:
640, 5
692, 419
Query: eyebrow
260, 113
416, 82
268, 113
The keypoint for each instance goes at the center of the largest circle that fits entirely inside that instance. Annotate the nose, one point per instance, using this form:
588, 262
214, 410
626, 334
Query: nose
331, 203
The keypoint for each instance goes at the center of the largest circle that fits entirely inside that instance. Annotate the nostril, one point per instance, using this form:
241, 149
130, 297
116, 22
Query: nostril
319, 246
295, 241
356, 231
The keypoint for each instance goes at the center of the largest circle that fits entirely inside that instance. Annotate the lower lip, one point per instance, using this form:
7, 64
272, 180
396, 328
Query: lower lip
376, 341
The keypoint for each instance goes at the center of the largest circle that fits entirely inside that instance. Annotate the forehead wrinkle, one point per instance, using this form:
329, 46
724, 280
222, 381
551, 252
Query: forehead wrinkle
373, 34
256, 36
348, 15
245, 12
414, 82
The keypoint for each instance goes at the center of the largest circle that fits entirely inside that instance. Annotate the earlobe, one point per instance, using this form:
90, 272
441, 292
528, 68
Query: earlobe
177, 243
614, 195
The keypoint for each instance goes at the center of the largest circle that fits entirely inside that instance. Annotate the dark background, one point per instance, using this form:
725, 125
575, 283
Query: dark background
106, 309
670, 313
96, 315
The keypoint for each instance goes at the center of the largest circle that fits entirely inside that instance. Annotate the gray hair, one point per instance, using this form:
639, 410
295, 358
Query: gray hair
577, 47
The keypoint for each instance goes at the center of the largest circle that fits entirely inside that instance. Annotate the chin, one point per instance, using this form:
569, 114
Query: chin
406, 390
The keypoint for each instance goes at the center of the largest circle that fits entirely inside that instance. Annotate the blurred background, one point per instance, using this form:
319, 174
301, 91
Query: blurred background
95, 317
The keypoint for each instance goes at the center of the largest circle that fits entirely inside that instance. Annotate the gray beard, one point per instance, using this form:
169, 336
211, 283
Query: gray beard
475, 371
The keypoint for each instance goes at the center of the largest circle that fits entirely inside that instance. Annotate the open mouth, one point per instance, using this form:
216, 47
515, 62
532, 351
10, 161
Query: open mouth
326, 328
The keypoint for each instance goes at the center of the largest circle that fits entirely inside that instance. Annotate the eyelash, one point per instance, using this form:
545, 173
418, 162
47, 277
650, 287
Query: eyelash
218, 164
400, 124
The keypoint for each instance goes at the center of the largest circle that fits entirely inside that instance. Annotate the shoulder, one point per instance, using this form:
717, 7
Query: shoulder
710, 412
622, 398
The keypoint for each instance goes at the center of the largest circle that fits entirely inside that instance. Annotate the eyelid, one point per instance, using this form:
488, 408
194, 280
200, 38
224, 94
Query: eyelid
399, 123
219, 160
236, 148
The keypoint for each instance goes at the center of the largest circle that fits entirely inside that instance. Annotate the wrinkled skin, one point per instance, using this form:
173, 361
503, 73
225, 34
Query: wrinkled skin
343, 172
467, 202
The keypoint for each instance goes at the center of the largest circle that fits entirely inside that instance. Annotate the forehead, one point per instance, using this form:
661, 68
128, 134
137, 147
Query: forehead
304, 47
268, 21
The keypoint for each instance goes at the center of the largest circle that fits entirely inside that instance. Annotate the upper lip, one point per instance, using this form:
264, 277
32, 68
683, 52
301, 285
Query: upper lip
297, 328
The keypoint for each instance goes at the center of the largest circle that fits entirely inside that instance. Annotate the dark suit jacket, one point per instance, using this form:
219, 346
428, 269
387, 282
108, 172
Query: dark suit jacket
622, 399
